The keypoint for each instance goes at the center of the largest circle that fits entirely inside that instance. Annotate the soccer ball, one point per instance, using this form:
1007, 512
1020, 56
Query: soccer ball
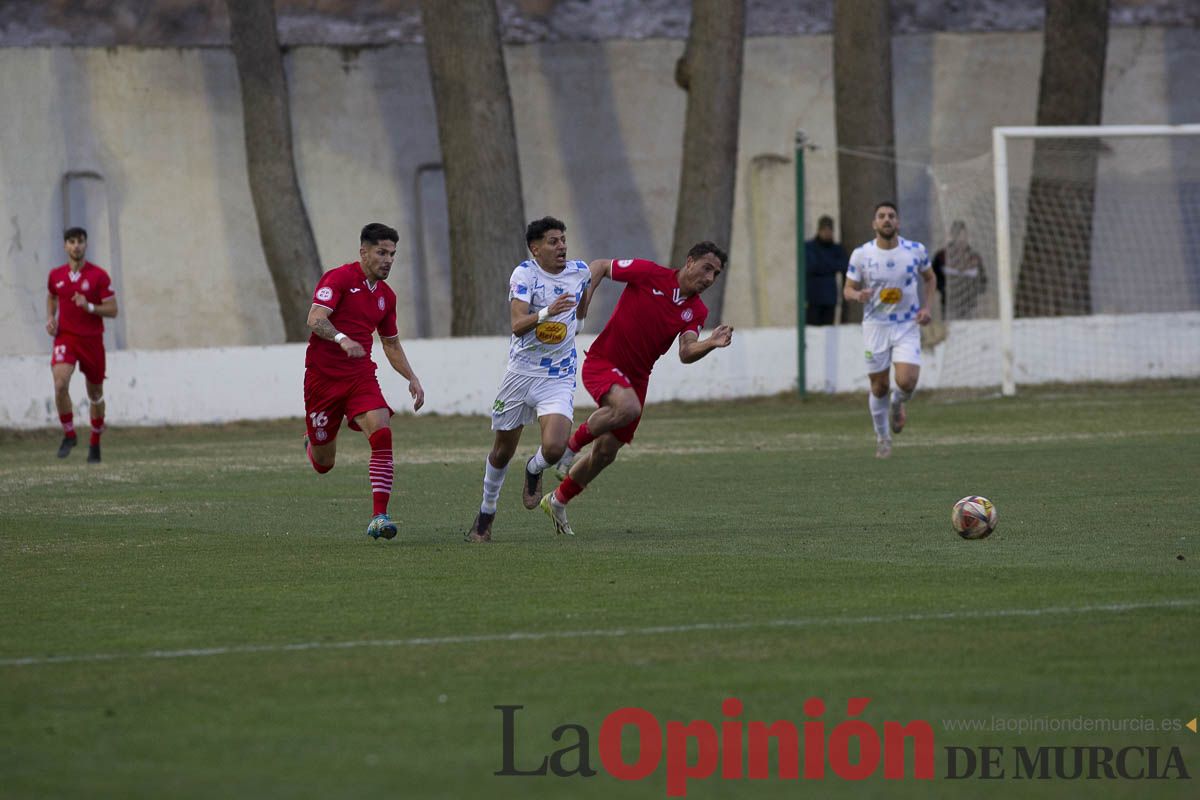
974, 517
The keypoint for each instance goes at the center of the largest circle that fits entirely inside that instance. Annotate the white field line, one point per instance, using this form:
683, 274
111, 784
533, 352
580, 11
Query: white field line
603, 633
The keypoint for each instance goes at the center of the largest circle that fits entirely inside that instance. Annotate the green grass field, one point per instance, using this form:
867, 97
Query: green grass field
202, 615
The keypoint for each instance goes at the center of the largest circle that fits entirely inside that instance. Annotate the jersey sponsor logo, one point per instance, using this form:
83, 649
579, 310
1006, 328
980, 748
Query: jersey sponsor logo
551, 332
890, 296
687, 315
381, 304
324, 293
624, 262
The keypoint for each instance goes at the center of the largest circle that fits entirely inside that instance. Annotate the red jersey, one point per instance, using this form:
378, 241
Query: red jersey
650, 314
359, 309
93, 283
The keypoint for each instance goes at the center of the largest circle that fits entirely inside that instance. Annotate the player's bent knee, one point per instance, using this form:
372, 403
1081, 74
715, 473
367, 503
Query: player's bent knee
628, 412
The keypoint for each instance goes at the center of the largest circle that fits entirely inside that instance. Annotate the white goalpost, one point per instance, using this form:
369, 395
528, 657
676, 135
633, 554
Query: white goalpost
1149, 160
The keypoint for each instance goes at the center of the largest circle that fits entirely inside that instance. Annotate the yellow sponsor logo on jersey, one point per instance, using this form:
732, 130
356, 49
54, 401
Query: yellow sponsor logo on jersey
551, 332
890, 296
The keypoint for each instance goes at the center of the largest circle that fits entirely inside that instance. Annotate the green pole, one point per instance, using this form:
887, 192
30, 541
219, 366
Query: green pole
801, 264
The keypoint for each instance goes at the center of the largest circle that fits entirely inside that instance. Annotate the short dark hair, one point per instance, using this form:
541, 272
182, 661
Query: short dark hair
825, 221
74, 233
706, 248
377, 232
537, 229
885, 204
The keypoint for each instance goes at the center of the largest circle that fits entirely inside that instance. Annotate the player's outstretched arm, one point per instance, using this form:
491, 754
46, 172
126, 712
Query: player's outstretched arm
399, 361
600, 269
692, 348
318, 323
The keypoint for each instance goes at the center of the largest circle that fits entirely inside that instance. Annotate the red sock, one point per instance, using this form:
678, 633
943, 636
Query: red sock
321, 468
97, 429
581, 438
567, 489
381, 469
68, 424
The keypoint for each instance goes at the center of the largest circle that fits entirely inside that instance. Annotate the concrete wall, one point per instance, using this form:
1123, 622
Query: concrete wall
599, 127
460, 376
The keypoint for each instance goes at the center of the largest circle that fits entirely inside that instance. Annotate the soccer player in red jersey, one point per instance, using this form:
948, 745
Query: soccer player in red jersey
657, 306
350, 303
79, 295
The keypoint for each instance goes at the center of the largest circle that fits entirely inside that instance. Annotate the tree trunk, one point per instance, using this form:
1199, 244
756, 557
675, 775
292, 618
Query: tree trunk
710, 71
1055, 275
287, 238
479, 151
866, 138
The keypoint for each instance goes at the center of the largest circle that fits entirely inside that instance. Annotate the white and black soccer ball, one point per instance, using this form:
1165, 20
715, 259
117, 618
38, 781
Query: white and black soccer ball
974, 517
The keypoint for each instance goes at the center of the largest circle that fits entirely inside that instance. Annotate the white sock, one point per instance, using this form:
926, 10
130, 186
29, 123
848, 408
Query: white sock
880, 407
901, 396
493, 479
568, 456
537, 463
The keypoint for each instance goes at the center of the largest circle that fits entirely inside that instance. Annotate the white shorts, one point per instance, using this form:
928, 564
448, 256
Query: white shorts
524, 398
898, 342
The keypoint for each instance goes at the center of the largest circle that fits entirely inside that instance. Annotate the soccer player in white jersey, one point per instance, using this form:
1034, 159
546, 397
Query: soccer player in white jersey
883, 275
548, 295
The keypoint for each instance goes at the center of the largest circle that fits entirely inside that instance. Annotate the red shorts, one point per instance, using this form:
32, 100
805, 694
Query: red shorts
599, 376
327, 400
86, 351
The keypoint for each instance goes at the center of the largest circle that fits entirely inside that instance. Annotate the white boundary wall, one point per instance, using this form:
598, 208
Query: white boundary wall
156, 387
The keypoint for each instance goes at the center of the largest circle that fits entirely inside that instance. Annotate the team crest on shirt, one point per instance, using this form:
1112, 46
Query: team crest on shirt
381, 304
321, 435
624, 262
85, 285
324, 293
687, 315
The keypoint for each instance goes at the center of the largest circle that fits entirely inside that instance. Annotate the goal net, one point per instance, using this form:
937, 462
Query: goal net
1070, 255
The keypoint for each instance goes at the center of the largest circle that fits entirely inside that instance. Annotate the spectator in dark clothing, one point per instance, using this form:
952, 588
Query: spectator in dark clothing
824, 259
961, 277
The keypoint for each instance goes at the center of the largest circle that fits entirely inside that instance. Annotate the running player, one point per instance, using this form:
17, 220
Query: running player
657, 306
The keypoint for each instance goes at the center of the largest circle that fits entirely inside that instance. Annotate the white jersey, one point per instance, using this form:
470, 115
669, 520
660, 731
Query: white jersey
893, 274
548, 350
